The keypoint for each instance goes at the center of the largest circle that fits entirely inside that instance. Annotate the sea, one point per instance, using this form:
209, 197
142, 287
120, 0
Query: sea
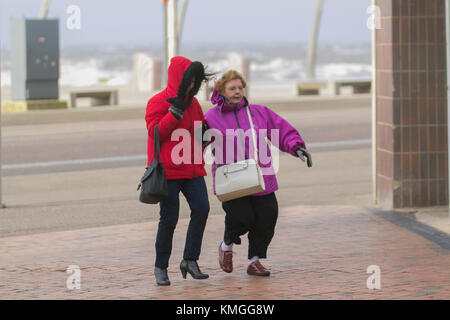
270, 63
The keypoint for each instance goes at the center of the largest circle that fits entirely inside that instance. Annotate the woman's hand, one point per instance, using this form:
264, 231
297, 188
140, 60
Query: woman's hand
178, 107
302, 153
178, 104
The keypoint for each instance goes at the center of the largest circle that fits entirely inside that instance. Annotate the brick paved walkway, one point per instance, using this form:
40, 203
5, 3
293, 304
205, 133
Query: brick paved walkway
317, 253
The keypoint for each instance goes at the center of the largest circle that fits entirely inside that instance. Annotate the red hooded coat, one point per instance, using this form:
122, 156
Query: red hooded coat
158, 113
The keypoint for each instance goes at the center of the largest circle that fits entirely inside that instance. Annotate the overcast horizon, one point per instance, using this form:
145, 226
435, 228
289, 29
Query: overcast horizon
139, 23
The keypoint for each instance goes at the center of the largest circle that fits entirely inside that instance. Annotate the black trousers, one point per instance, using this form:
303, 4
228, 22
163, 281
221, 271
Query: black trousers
256, 215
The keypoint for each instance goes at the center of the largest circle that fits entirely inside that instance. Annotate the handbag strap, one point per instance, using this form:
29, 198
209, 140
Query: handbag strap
252, 128
255, 149
240, 134
156, 145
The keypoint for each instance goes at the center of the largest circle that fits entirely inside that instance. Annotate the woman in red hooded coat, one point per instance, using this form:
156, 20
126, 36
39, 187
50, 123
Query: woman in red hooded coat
178, 114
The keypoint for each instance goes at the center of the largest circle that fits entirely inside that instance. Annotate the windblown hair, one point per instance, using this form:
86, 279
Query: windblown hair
196, 72
228, 76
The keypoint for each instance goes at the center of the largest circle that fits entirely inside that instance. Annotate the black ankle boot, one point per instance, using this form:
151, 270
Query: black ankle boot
191, 266
161, 277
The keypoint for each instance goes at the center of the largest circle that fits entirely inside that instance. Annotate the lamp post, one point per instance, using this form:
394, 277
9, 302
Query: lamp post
312, 48
180, 19
171, 30
173, 27
44, 9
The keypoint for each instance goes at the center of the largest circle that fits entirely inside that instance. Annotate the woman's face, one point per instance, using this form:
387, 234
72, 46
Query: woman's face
234, 91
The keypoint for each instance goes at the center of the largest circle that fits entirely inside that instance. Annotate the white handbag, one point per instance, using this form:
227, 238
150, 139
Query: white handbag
241, 178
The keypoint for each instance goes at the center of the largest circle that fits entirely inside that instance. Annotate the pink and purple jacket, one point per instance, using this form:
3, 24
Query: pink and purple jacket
267, 124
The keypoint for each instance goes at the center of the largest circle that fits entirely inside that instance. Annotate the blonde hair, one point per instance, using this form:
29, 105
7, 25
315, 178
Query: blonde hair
228, 76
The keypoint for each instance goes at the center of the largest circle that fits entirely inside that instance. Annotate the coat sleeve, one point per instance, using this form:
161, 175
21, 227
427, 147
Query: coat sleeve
288, 139
158, 113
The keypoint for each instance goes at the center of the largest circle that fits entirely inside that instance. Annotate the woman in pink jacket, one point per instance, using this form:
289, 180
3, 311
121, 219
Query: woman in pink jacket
256, 214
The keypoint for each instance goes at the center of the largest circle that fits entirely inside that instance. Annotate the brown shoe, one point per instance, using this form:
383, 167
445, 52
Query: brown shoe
225, 260
257, 269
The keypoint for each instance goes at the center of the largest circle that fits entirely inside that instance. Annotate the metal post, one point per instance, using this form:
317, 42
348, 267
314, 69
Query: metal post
311, 59
374, 110
171, 27
170, 30
447, 5
180, 19
165, 63
44, 9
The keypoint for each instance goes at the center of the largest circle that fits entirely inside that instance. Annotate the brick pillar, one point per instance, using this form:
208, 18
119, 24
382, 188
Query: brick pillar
411, 104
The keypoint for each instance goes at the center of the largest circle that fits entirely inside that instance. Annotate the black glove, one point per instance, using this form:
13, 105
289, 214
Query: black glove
177, 108
205, 127
205, 140
194, 74
302, 153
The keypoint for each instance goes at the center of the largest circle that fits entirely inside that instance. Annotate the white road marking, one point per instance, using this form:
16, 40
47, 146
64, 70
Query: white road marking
144, 157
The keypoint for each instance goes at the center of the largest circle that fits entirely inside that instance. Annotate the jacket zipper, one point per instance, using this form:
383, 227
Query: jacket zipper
192, 149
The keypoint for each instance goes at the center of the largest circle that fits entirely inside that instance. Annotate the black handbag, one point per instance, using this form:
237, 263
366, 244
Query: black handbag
153, 184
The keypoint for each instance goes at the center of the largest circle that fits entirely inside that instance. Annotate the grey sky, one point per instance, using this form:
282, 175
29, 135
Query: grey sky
236, 21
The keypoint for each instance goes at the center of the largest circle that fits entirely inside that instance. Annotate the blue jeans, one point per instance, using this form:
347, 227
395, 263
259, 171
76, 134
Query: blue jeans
196, 195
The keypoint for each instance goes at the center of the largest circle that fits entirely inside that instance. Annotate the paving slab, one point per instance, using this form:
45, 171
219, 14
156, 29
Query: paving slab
318, 252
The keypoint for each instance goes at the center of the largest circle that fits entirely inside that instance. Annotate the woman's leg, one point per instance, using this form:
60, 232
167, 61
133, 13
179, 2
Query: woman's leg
197, 197
169, 212
239, 217
261, 234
